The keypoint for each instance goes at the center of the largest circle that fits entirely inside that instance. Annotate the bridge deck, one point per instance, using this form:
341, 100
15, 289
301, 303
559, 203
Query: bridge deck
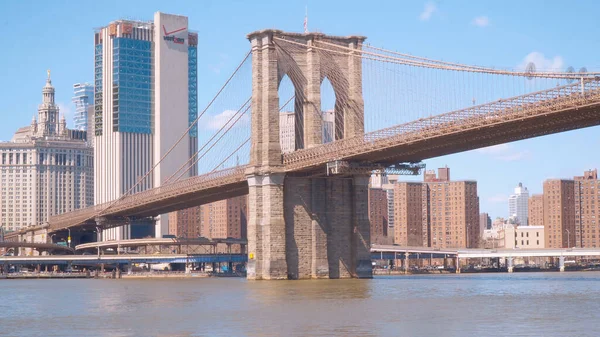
160, 241
488, 253
122, 259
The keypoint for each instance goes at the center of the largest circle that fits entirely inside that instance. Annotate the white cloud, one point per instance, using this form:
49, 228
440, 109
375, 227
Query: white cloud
481, 21
428, 11
542, 63
504, 152
217, 121
497, 199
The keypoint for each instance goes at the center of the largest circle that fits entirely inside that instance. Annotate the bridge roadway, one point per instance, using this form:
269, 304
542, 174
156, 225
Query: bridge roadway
486, 253
122, 259
160, 242
545, 112
40, 247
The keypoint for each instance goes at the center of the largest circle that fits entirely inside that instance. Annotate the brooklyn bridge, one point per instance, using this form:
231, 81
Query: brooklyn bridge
308, 215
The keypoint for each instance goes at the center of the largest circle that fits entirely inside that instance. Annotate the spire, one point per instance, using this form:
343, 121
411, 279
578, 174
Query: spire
48, 91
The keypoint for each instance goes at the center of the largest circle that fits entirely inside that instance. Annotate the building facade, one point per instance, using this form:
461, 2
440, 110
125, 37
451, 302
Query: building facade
185, 223
485, 222
559, 213
225, 218
524, 237
378, 215
287, 129
216, 220
46, 169
587, 210
145, 99
408, 214
83, 98
535, 209
448, 212
518, 205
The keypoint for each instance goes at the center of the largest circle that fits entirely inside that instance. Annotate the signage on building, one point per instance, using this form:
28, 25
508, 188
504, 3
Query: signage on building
168, 36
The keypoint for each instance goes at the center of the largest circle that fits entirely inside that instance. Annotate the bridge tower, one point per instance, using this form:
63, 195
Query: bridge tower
305, 226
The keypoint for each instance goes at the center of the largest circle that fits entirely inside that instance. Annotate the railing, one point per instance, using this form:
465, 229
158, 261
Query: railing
558, 98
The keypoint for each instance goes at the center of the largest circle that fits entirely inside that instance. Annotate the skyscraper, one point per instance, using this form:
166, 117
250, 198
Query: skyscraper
83, 98
518, 205
46, 168
145, 99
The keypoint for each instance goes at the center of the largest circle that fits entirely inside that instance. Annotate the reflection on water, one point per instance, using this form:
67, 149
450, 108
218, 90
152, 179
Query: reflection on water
534, 304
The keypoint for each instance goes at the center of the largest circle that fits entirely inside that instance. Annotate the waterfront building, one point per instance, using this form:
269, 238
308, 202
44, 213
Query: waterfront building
225, 218
448, 212
408, 214
219, 219
535, 209
83, 98
485, 222
524, 237
46, 169
587, 210
378, 216
559, 213
185, 223
518, 205
386, 182
145, 99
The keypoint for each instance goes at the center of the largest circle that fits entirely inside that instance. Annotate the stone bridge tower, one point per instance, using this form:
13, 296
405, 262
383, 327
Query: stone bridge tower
305, 225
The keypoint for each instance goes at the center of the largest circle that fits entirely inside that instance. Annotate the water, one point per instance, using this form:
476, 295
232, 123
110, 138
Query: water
520, 304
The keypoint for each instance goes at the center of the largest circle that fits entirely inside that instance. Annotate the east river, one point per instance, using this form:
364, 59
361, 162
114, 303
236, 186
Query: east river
519, 304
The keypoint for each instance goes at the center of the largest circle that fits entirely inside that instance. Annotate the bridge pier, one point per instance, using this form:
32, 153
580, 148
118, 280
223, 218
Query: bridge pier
327, 227
509, 264
457, 265
561, 263
303, 228
266, 228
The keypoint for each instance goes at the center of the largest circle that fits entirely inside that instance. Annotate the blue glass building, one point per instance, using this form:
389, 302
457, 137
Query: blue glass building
146, 97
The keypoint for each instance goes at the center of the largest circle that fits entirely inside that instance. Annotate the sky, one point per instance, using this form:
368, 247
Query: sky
58, 35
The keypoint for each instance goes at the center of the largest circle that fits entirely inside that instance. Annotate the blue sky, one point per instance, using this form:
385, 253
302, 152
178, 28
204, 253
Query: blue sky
58, 35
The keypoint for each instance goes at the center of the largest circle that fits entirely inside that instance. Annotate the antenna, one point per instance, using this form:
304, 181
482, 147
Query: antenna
306, 21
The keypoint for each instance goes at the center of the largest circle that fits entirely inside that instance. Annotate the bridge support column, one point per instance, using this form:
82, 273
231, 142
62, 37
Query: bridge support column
457, 265
327, 227
561, 263
509, 264
406, 262
266, 228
